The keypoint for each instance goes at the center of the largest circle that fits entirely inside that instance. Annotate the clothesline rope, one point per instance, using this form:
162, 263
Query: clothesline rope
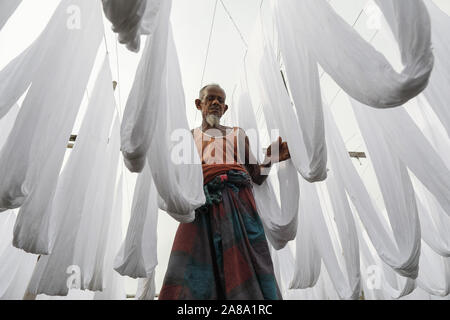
234, 23
209, 42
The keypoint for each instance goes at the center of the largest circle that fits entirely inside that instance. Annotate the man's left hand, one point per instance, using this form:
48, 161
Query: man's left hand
283, 151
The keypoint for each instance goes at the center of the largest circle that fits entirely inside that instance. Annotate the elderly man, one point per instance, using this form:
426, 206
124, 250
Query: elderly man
223, 254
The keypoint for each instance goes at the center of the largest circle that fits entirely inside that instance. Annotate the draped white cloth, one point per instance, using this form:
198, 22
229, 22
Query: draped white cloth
34, 152
7, 8
411, 146
155, 110
7, 123
280, 222
74, 217
17, 266
300, 65
113, 283
82, 216
146, 288
437, 93
179, 182
144, 102
131, 19
360, 70
137, 257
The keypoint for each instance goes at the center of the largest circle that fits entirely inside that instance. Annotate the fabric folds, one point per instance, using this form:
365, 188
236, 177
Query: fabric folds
7, 8
83, 200
137, 257
36, 145
360, 70
131, 19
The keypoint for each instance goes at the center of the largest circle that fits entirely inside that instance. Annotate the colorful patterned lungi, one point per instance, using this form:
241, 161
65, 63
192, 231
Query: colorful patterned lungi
223, 254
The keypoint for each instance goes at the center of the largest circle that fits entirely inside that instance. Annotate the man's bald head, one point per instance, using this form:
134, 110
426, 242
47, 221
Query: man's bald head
211, 103
203, 90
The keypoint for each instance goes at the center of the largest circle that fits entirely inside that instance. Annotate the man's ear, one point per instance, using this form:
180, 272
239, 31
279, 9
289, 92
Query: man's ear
225, 109
198, 104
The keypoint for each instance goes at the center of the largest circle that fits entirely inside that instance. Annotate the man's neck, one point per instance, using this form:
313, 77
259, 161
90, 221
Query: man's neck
206, 126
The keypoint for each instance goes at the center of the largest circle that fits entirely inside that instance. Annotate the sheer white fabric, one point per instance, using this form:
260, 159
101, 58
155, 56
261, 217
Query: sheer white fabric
17, 266
306, 95
359, 69
154, 113
179, 183
137, 257
7, 8
131, 19
437, 92
34, 152
16, 77
146, 288
410, 145
113, 283
7, 123
368, 213
267, 88
75, 217
394, 181
280, 223
90, 245
434, 274
144, 102
83, 198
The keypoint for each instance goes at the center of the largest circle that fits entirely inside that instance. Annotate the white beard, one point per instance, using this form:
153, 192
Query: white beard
213, 120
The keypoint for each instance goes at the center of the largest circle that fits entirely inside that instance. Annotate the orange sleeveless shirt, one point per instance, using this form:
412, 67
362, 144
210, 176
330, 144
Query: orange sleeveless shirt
218, 154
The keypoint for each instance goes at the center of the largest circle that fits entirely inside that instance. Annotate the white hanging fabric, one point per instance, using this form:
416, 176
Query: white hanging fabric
304, 84
146, 289
137, 257
435, 224
394, 182
26, 68
266, 86
437, 92
359, 69
77, 193
409, 144
16, 77
36, 145
7, 8
308, 262
280, 223
369, 215
346, 288
434, 274
131, 19
144, 102
113, 283
155, 109
179, 182
7, 123
90, 245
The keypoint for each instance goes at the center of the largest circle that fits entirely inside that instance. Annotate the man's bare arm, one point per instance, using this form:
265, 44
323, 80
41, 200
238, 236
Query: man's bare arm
253, 167
258, 172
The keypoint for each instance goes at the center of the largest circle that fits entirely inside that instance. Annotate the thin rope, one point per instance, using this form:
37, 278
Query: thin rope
209, 42
353, 26
119, 84
234, 23
340, 89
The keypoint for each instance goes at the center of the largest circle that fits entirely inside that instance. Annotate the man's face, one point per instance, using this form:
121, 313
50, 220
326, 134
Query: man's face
213, 103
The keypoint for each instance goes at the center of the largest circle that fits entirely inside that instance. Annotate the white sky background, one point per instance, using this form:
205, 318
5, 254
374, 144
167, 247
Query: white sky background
191, 21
